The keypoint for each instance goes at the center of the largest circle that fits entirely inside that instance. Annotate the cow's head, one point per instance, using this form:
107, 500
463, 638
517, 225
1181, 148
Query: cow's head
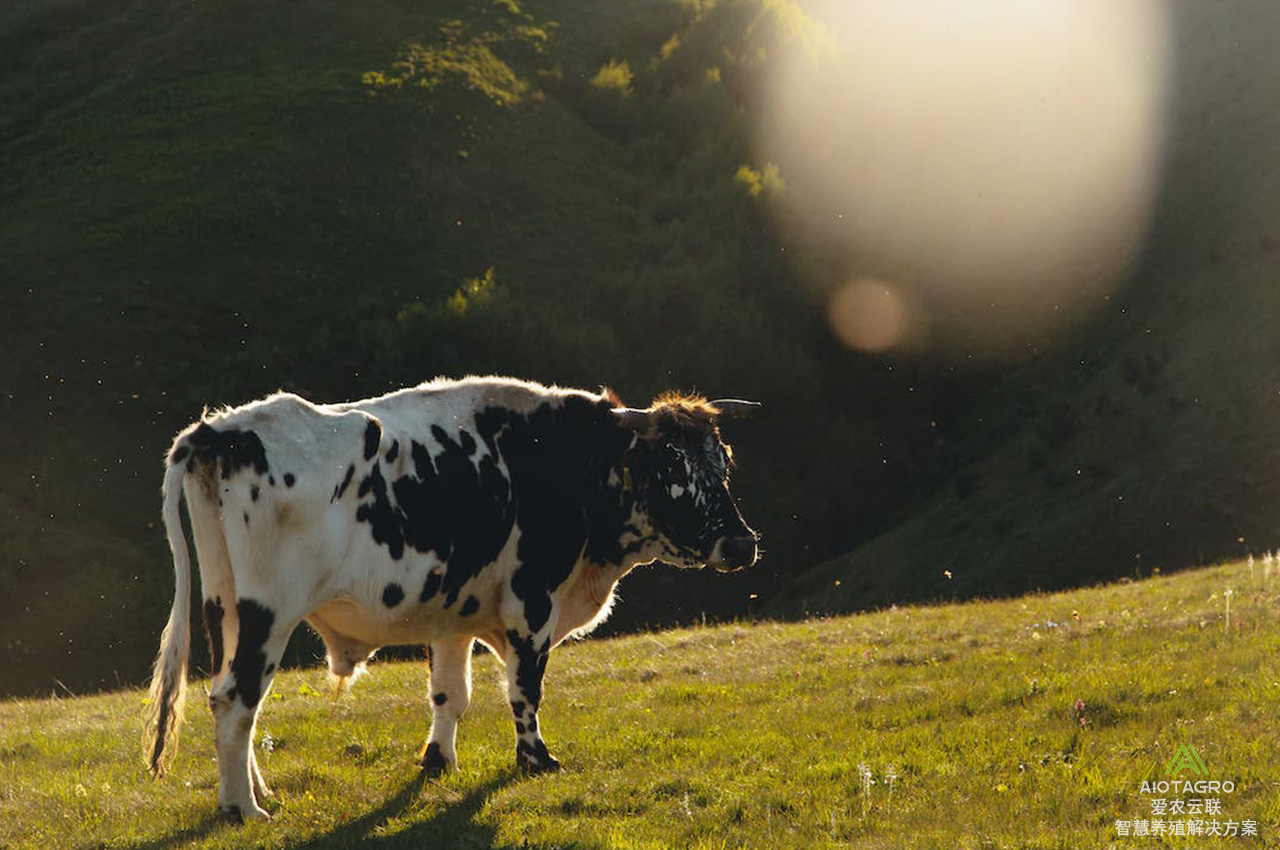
681, 469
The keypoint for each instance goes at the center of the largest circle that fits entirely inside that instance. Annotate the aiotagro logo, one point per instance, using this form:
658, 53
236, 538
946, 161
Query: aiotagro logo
1185, 758
1196, 807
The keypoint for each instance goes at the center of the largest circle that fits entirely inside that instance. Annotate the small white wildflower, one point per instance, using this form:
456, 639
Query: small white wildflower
867, 781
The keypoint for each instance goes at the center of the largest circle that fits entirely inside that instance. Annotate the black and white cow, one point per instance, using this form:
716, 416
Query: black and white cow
487, 508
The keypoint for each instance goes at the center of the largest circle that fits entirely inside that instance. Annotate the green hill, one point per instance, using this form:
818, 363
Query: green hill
1029, 723
200, 204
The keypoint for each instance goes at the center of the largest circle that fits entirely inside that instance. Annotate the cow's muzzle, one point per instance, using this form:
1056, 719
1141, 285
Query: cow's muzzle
733, 553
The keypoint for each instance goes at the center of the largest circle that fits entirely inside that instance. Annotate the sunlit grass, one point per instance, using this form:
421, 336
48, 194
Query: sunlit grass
1022, 723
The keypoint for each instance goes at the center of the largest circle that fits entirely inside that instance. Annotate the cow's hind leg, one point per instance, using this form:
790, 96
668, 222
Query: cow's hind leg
526, 659
221, 631
450, 661
260, 642
221, 619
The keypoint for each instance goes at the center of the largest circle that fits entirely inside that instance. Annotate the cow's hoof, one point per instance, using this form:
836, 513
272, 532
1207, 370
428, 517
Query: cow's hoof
240, 815
434, 763
548, 765
536, 759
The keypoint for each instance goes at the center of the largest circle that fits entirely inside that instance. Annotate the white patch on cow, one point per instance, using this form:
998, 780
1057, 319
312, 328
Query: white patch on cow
676, 491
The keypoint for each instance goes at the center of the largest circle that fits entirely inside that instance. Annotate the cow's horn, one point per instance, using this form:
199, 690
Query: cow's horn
636, 420
731, 408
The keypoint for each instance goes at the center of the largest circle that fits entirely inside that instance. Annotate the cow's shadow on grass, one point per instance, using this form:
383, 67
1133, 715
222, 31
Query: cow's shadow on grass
202, 828
455, 824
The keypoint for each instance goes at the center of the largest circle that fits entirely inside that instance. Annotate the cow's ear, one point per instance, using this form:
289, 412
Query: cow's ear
640, 421
733, 408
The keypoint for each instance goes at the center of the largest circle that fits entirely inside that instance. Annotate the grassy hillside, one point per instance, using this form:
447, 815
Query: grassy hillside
200, 204
1030, 722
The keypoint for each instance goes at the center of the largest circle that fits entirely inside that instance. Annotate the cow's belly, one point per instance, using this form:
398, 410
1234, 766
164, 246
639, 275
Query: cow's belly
373, 623
374, 601
366, 596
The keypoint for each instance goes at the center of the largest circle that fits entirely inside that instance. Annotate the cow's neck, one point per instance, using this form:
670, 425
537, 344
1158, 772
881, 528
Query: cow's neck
618, 525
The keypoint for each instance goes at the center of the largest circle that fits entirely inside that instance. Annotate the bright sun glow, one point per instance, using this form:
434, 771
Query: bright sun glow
995, 160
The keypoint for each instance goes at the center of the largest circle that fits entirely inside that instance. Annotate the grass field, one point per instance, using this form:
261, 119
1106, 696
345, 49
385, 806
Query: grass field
1029, 722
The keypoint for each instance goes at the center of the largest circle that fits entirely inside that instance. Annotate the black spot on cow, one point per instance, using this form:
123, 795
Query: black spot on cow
440, 698
520, 728
392, 595
230, 450
443, 504
394, 451
517, 708
289, 479
253, 492
431, 586
341, 487
213, 613
531, 666
271, 479
560, 460
246, 517
431, 657
533, 724
433, 760
372, 436
382, 517
469, 607
251, 657
179, 454
271, 668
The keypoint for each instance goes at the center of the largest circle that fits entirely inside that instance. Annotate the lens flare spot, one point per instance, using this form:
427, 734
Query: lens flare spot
869, 315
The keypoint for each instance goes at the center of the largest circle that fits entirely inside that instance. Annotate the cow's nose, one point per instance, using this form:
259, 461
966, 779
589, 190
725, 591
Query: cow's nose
733, 553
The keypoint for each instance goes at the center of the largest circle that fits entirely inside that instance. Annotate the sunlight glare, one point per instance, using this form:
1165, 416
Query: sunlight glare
997, 158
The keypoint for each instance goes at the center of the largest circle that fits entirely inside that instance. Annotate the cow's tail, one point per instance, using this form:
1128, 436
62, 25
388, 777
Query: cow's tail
169, 676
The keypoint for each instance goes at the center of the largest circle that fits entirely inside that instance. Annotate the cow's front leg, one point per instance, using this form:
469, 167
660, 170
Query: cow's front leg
450, 661
526, 659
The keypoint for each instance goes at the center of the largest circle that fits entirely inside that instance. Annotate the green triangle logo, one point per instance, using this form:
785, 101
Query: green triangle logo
1185, 758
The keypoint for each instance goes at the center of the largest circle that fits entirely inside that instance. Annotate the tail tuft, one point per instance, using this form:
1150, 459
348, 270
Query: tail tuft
165, 705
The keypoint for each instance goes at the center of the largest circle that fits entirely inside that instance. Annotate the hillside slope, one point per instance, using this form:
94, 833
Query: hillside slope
1024, 723
201, 204
1148, 438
